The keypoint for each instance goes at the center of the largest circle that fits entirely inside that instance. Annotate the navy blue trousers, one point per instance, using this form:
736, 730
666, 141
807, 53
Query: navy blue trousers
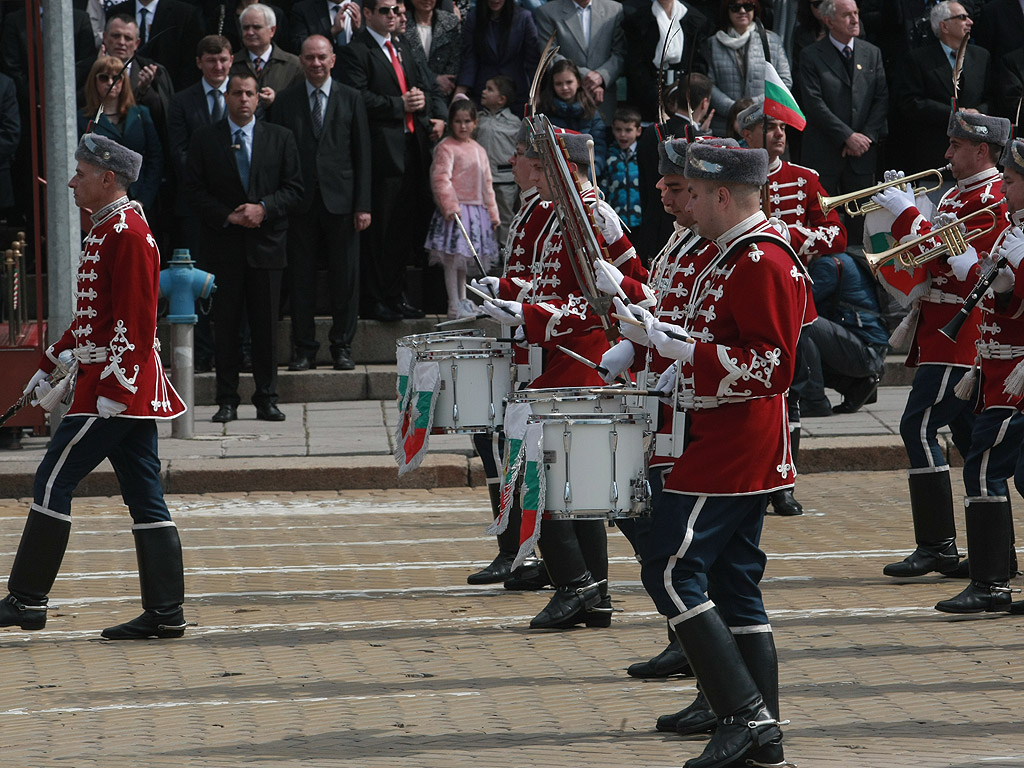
704, 551
931, 406
78, 446
995, 452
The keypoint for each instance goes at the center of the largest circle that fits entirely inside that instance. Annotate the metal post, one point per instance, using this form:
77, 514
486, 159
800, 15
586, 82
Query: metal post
182, 378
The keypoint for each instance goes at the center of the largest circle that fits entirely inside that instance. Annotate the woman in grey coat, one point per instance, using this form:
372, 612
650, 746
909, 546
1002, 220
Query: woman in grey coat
735, 58
436, 41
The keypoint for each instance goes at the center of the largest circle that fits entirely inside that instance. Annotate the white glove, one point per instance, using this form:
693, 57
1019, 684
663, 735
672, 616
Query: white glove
892, 176
1003, 282
668, 346
608, 222
964, 263
1012, 248
667, 383
895, 199
488, 285
632, 332
105, 407
496, 309
37, 378
780, 226
607, 277
617, 360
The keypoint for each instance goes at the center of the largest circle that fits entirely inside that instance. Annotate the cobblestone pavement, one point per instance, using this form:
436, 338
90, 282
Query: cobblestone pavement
337, 630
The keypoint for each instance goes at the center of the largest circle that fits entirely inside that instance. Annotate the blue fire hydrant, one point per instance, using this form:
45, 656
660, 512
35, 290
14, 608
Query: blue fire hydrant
182, 284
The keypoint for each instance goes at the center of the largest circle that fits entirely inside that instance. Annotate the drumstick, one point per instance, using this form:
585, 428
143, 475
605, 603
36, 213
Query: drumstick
476, 258
633, 321
604, 268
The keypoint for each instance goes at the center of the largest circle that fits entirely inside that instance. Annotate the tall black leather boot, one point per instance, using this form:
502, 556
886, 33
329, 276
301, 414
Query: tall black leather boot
162, 582
593, 538
40, 553
576, 591
508, 542
989, 533
744, 720
931, 504
671, 661
783, 502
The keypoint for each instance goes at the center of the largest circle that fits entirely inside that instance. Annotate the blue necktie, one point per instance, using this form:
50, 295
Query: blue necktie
242, 158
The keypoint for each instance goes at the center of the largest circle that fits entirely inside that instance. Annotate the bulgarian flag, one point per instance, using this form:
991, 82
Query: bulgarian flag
417, 396
524, 446
779, 103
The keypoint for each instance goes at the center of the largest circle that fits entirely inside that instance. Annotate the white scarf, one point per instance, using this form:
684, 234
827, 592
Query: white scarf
671, 44
730, 39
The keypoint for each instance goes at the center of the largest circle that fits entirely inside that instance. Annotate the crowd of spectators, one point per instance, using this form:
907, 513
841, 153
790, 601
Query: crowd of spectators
874, 80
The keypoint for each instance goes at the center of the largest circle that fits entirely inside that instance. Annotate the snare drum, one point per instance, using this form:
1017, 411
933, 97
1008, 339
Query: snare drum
476, 377
595, 465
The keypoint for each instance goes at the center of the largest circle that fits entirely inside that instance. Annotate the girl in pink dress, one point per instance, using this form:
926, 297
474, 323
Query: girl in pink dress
460, 178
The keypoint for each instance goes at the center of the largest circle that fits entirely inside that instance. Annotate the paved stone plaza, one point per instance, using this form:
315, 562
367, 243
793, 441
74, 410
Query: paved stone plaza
336, 629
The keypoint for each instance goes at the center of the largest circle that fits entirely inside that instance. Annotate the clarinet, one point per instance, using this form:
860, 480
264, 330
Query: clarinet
952, 329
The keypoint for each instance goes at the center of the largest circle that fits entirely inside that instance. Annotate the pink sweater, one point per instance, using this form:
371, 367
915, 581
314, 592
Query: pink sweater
461, 174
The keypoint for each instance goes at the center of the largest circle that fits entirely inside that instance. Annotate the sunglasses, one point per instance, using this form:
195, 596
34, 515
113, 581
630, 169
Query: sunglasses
960, 16
737, 7
387, 10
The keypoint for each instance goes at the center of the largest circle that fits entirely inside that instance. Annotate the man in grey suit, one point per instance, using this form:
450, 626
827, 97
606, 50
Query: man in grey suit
589, 32
329, 122
845, 100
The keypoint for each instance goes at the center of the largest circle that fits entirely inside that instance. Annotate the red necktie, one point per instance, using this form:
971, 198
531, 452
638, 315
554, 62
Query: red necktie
400, 74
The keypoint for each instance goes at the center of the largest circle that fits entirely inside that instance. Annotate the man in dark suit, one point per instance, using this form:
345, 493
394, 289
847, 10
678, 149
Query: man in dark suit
273, 68
328, 120
845, 99
198, 105
337, 20
405, 110
168, 33
923, 87
244, 179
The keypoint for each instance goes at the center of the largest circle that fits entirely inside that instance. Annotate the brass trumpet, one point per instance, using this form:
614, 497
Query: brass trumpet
951, 242
853, 208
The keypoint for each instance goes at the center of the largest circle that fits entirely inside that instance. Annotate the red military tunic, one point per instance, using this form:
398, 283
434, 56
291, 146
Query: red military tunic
1000, 346
113, 334
556, 312
793, 197
749, 310
944, 294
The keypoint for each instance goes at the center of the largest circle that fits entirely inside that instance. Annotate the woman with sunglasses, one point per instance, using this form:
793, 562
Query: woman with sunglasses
124, 121
736, 60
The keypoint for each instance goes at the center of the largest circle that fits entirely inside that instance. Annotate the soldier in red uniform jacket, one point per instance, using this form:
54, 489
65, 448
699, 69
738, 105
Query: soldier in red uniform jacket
975, 142
704, 565
995, 452
120, 392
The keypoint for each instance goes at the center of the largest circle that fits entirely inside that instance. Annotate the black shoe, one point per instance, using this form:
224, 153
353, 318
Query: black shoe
978, 597
813, 409
14, 613
784, 503
671, 661
528, 577
499, 570
696, 718
225, 414
858, 395
600, 616
942, 558
246, 365
737, 735
149, 624
569, 605
303, 361
408, 311
269, 412
203, 365
342, 359
382, 313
